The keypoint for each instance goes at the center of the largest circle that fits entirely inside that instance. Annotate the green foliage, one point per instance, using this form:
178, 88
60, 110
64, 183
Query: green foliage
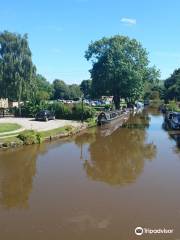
64, 91
30, 137
86, 88
16, 67
8, 127
74, 91
43, 89
61, 110
153, 87
173, 106
68, 128
119, 67
92, 122
73, 112
153, 75
54, 132
88, 112
155, 103
30, 109
172, 86
61, 90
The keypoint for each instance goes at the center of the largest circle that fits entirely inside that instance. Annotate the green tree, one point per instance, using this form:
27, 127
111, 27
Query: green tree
61, 89
153, 85
172, 86
16, 67
86, 87
119, 67
44, 89
74, 91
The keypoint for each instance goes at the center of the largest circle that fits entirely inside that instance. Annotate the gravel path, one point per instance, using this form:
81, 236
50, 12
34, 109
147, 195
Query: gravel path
29, 123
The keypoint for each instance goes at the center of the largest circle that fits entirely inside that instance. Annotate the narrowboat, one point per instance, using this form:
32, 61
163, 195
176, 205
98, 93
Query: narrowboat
173, 120
110, 116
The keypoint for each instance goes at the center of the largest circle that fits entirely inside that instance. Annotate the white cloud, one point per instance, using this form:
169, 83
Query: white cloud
128, 21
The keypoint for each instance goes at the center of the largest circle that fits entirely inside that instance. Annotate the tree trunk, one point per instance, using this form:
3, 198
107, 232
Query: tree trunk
19, 97
116, 100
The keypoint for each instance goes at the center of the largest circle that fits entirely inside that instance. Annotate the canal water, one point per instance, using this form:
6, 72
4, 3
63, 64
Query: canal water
99, 185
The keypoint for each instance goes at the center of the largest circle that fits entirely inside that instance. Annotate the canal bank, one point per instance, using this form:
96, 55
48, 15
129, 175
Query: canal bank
29, 137
31, 132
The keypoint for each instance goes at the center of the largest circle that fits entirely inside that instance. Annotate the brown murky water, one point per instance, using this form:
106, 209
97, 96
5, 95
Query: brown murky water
100, 185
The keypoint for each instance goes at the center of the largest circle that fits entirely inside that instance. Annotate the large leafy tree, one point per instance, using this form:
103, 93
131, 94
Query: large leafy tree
153, 87
16, 67
86, 87
61, 89
65, 91
119, 67
44, 89
172, 86
74, 91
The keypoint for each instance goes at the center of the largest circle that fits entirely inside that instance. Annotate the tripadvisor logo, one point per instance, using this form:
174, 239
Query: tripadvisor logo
140, 231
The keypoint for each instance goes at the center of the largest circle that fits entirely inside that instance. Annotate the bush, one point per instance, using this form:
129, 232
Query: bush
68, 128
172, 106
61, 110
30, 137
77, 114
72, 112
30, 109
155, 103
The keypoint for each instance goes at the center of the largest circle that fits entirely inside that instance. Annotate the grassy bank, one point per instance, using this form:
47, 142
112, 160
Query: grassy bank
30, 137
8, 127
56, 131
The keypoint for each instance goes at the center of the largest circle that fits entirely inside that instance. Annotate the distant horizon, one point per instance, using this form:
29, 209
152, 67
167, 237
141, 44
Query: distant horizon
59, 32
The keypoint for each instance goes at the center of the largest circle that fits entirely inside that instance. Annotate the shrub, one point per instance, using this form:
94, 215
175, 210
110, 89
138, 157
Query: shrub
92, 122
73, 112
155, 103
172, 106
68, 128
30, 137
61, 110
30, 109
77, 114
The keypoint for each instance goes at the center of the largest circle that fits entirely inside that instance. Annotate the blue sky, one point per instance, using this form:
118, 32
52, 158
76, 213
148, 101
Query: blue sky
60, 30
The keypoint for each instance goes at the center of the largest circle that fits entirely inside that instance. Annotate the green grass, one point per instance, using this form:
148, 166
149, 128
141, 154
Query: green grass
31, 137
9, 139
8, 127
56, 131
9, 134
92, 122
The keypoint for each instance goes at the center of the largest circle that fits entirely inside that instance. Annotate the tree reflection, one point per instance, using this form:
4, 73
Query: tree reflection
176, 137
17, 169
119, 159
173, 134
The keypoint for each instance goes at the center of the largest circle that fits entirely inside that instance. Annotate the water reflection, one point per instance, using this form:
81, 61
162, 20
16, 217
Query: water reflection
176, 137
119, 159
17, 169
173, 134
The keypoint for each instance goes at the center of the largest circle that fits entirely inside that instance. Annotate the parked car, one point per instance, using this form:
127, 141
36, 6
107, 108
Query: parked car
45, 115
